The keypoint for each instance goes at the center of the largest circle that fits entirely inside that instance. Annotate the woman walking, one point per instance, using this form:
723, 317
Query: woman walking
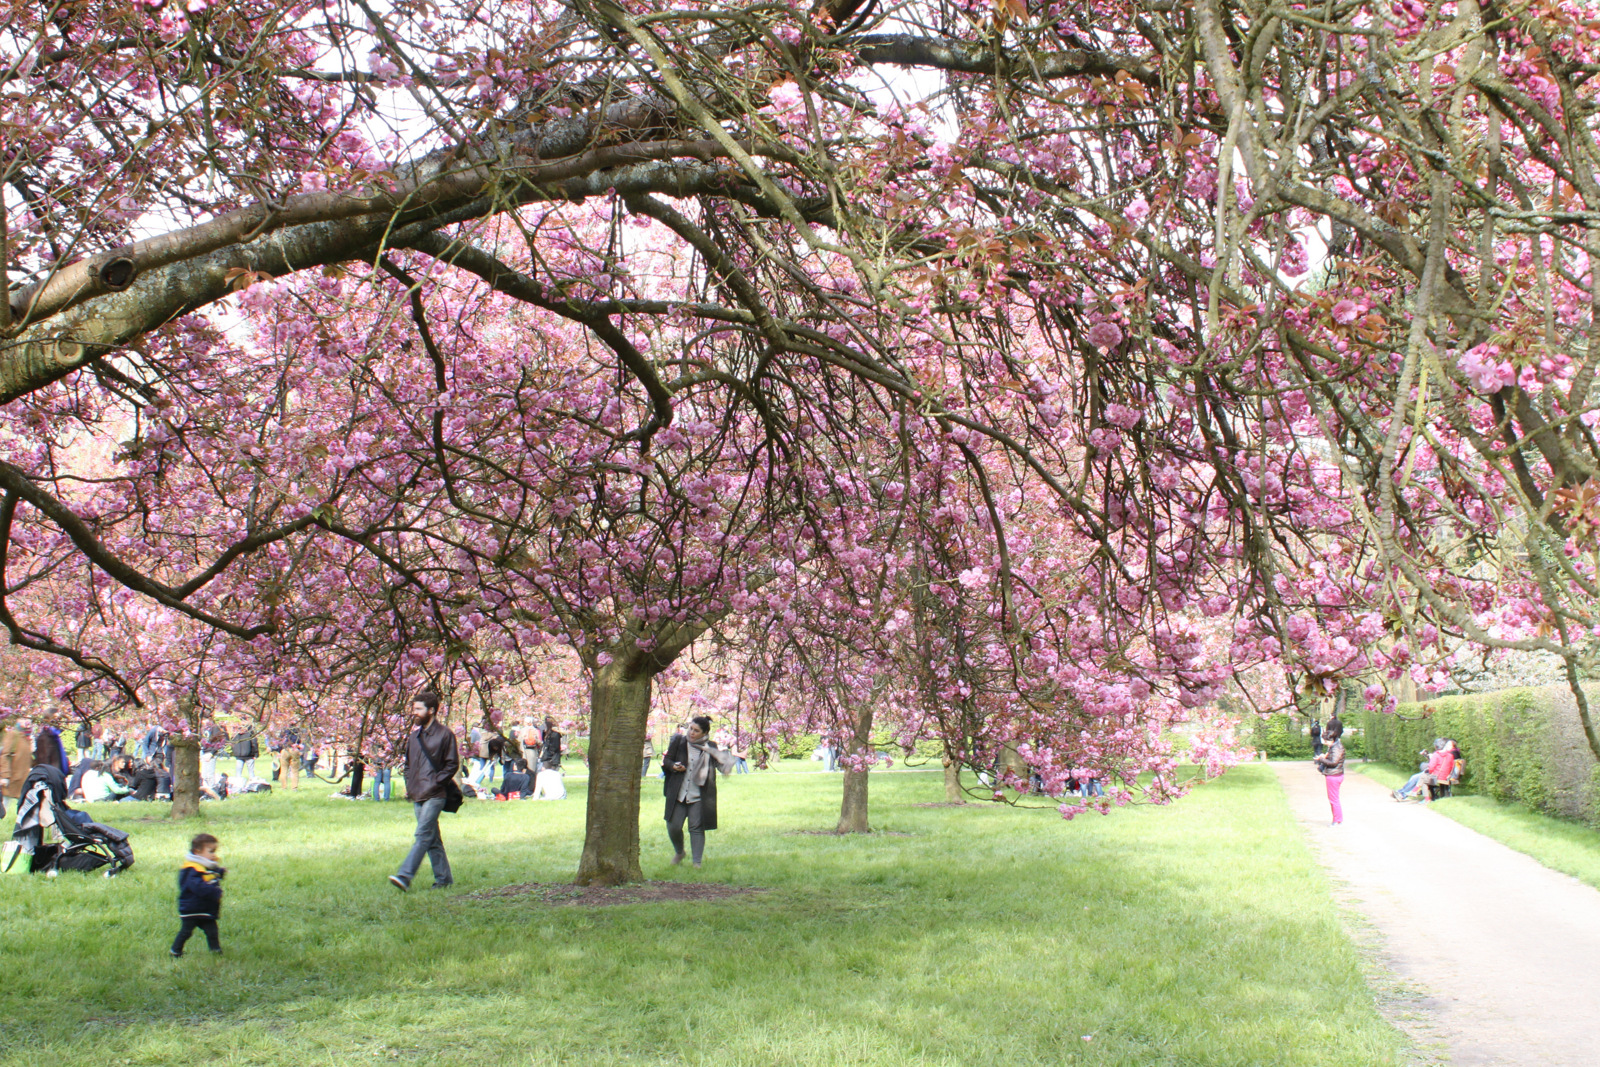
691, 786
1331, 764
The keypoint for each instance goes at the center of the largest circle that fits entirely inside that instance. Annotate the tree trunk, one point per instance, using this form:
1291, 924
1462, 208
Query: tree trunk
853, 808
952, 783
619, 710
185, 777
1011, 761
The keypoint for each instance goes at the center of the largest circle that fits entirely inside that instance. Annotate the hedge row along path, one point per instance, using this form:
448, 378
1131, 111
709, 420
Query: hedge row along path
1504, 949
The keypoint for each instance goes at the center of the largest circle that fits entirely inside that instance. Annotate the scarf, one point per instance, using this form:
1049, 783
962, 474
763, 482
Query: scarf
210, 865
702, 754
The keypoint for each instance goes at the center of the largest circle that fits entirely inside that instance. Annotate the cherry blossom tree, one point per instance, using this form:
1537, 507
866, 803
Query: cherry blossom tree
396, 312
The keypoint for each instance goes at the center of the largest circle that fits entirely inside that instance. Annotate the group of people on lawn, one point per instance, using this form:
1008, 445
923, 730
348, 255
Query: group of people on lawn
105, 769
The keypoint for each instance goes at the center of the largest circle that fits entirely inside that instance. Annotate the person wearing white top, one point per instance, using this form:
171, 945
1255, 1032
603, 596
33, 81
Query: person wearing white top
98, 785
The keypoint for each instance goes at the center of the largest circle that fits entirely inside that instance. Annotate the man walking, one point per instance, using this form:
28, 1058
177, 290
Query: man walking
431, 764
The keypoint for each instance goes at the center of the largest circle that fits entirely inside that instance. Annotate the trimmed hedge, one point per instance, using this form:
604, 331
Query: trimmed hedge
1522, 745
1283, 736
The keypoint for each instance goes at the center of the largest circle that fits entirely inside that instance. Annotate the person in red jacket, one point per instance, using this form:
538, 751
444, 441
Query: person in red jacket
1440, 766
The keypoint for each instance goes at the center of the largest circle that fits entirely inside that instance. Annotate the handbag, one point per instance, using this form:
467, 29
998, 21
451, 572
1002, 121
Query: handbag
452, 791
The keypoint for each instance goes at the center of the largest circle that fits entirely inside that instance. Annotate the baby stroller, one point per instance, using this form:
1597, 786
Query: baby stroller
84, 844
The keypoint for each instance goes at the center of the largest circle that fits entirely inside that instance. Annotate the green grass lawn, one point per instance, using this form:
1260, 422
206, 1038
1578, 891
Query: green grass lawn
1569, 847
1200, 933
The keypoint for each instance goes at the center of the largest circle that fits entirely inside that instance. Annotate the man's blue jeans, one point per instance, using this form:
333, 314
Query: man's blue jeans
380, 780
428, 843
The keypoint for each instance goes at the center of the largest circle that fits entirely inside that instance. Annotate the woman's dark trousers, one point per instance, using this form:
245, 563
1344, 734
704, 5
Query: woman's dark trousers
690, 813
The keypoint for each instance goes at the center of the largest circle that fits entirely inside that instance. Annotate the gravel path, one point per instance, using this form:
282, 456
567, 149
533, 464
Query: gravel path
1506, 951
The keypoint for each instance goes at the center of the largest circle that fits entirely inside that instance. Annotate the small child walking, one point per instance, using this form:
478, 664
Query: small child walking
200, 893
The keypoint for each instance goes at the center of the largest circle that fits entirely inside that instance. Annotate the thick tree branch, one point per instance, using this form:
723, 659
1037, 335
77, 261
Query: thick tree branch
16, 482
965, 57
51, 350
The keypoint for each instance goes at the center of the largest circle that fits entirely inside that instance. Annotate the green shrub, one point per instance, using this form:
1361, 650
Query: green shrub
1522, 745
1282, 737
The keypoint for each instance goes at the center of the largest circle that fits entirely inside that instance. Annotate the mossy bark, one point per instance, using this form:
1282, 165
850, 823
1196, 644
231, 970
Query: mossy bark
619, 710
185, 777
953, 793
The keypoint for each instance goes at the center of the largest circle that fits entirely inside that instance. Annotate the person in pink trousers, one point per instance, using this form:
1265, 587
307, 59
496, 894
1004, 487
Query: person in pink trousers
1331, 764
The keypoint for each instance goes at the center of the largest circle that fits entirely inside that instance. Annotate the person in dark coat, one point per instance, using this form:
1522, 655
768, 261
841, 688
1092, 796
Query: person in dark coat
48, 751
516, 780
432, 760
200, 894
691, 765
245, 749
550, 754
1316, 737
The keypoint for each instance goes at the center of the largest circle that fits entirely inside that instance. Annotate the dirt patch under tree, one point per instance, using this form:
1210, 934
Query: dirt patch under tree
600, 896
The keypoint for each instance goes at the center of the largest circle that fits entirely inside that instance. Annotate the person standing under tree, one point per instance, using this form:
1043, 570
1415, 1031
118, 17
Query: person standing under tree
432, 760
551, 754
48, 750
213, 739
1331, 764
1316, 737
244, 754
289, 753
16, 759
690, 764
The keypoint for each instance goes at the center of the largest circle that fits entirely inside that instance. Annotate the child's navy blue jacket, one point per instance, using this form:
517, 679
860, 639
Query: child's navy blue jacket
199, 889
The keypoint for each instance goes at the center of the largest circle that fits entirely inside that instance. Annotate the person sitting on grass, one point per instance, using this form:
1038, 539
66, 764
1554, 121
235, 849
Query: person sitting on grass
200, 894
516, 779
99, 785
550, 784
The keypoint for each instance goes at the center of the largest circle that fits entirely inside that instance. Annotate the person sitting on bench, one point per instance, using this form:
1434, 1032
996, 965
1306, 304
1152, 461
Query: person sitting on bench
1438, 769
